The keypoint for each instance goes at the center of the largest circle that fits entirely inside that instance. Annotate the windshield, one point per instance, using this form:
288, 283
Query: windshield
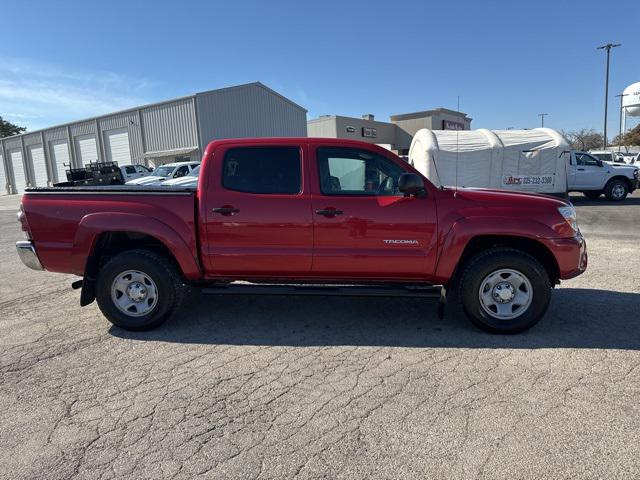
195, 171
163, 171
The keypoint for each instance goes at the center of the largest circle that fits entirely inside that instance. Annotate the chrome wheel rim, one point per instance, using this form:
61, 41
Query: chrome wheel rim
618, 190
505, 294
134, 293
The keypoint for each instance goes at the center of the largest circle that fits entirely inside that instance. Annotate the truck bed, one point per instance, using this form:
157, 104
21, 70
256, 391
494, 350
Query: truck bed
65, 222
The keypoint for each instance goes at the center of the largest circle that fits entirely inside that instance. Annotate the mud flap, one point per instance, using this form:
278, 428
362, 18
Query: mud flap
88, 292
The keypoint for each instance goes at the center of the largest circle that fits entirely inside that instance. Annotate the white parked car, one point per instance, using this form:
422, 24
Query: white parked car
131, 172
190, 181
166, 172
608, 156
593, 177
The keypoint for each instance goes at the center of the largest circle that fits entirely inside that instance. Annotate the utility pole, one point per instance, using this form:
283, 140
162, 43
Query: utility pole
542, 115
621, 95
608, 48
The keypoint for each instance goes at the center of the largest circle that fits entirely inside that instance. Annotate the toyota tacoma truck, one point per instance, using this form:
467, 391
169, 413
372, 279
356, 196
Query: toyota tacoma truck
304, 216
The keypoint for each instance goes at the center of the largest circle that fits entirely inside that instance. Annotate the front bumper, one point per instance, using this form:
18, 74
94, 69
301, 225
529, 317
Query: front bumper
635, 184
571, 255
28, 255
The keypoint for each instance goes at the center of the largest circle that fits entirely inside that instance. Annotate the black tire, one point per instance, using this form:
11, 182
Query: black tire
160, 270
592, 195
483, 265
612, 189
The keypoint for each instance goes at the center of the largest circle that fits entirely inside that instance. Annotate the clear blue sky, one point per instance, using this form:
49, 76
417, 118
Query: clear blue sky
507, 60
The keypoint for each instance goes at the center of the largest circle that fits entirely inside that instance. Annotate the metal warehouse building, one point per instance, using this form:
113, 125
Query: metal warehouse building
164, 132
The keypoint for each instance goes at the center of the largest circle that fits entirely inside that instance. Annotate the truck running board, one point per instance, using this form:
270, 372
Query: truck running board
319, 290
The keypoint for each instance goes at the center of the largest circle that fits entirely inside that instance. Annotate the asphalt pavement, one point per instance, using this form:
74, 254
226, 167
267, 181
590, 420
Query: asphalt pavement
309, 387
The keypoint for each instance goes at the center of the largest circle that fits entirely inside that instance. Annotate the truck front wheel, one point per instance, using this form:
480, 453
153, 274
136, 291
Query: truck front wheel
138, 290
504, 290
616, 190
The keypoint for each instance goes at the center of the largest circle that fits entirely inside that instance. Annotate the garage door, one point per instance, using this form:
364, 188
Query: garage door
3, 179
18, 170
59, 151
36, 153
117, 145
86, 149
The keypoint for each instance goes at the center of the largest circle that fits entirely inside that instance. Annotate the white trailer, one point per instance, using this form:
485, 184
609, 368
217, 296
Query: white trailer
524, 160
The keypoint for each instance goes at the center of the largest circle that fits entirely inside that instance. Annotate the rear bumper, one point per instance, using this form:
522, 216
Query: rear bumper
28, 255
571, 255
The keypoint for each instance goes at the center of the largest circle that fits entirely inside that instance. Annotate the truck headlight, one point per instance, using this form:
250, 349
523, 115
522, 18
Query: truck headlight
569, 214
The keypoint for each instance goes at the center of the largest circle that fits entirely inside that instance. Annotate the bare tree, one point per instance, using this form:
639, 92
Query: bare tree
584, 139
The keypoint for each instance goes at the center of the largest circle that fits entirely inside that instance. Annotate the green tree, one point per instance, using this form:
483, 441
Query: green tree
7, 128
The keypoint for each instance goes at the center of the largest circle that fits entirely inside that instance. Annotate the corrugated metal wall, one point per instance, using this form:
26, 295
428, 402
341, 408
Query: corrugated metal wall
10, 144
248, 111
170, 125
4, 183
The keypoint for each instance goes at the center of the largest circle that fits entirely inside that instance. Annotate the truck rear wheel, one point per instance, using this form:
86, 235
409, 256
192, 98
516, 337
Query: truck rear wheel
138, 290
616, 190
504, 290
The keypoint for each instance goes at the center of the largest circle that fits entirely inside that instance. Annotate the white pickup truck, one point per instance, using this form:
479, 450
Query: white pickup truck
593, 177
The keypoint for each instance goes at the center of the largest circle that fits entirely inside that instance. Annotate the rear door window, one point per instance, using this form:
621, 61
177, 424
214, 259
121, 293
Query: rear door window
274, 170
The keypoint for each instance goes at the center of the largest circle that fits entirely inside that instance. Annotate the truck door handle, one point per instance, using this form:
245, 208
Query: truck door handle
329, 212
226, 210
581, 169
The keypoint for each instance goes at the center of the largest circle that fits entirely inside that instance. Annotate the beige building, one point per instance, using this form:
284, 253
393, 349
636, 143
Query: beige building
395, 135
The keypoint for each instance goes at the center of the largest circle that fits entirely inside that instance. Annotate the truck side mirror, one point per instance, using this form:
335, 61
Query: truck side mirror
599, 163
411, 184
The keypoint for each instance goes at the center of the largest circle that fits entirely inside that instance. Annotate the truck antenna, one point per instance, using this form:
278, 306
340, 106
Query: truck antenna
457, 146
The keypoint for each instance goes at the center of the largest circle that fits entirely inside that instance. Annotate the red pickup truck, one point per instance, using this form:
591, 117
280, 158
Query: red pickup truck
304, 216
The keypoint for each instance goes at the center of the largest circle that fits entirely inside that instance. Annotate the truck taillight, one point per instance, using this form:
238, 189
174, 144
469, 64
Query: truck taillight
24, 225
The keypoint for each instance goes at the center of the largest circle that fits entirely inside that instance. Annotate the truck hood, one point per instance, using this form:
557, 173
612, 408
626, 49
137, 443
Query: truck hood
148, 180
622, 168
507, 198
520, 213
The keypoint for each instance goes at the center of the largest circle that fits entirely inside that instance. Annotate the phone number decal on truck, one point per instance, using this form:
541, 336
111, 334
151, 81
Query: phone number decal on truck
524, 180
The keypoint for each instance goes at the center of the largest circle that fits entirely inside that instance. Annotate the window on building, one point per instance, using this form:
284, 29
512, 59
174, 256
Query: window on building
273, 170
351, 171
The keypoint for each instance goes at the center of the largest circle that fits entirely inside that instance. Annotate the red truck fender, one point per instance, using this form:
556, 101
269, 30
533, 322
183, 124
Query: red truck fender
462, 231
93, 225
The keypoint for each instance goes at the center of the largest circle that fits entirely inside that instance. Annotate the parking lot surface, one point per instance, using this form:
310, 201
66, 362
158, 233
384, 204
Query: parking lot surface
308, 387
